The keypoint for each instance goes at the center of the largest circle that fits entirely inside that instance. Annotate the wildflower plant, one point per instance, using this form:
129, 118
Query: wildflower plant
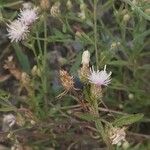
76, 67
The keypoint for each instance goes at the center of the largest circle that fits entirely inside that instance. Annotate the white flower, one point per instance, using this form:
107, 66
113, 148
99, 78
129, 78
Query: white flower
8, 121
28, 16
117, 135
86, 57
100, 77
17, 31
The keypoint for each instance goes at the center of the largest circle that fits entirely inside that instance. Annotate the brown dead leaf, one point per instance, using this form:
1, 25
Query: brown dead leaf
10, 65
3, 78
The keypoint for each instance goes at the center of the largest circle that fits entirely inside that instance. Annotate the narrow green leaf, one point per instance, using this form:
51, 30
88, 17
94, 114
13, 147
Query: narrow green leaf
118, 63
128, 119
87, 117
23, 59
137, 9
4, 3
76, 65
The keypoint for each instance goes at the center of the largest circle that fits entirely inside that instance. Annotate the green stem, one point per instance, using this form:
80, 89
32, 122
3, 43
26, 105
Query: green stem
95, 31
38, 42
45, 65
99, 126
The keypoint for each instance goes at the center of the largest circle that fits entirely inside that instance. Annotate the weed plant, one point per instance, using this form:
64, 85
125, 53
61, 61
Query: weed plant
51, 95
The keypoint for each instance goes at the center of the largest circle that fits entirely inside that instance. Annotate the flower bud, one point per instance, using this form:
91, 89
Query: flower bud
27, 5
114, 45
126, 17
35, 71
82, 14
84, 73
78, 34
55, 9
25, 79
45, 4
85, 58
125, 145
96, 92
69, 4
66, 80
131, 96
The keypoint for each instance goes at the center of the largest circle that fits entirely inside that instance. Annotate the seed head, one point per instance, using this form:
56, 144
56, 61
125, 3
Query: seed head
8, 121
66, 80
117, 135
27, 5
45, 4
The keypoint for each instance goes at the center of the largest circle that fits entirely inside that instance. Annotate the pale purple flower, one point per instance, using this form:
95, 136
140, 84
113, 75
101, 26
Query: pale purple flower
100, 77
28, 16
17, 31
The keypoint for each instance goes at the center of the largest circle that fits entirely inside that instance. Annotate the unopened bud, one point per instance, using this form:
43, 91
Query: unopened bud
126, 17
82, 14
55, 9
32, 122
69, 4
115, 45
45, 4
85, 58
131, 96
27, 5
25, 79
96, 92
35, 71
20, 120
78, 34
84, 73
66, 80
125, 145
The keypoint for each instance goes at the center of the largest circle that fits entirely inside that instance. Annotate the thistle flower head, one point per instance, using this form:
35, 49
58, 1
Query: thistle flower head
17, 31
8, 121
66, 80
117, 135
28, 16
100, 77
